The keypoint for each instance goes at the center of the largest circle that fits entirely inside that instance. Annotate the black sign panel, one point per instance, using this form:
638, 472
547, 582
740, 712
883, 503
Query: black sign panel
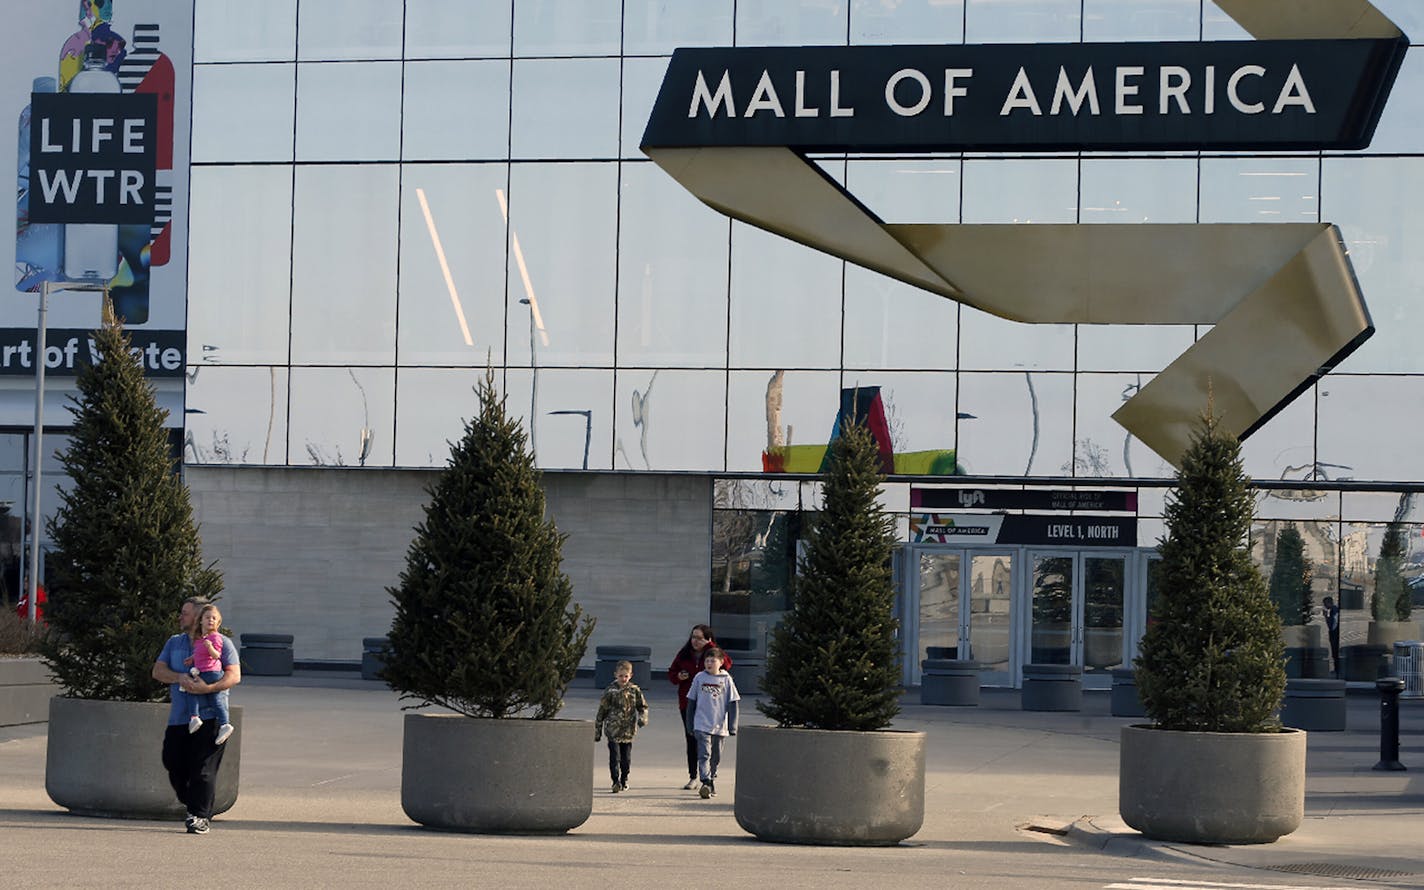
1059, 531
1016, 499
93, 157
1250, 94
68, 350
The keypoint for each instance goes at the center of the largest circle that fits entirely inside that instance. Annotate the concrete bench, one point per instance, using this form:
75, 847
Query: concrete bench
373, 656
25, 690
1052, 687
266, 655
1314, 705
748, 670
608, 658
949, 681
1124, 700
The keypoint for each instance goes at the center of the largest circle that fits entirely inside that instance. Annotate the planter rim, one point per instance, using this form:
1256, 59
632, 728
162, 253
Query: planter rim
900, 732
453, 714
1152, 727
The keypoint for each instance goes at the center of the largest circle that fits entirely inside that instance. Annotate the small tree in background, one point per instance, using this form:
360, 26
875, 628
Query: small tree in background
1212, 660
484, 622
1390, 601
126, 551
833, 662
1290, 578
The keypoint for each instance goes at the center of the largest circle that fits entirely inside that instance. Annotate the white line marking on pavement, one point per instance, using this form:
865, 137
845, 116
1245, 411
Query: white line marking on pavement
332, 779
1145, 883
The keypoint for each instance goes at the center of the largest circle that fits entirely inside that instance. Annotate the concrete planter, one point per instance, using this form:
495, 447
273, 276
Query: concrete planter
1387, 633
25, 691
1212, 787
508, 776
816, 786
104, 759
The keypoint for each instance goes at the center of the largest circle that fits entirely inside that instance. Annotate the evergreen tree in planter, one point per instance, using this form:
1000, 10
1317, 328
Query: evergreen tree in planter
126, 551
1390, 601
484, 623
1290, 579
1212, 659
833, 662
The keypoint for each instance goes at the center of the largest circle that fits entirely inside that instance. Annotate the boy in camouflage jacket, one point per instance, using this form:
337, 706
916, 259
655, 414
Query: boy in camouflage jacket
620, 712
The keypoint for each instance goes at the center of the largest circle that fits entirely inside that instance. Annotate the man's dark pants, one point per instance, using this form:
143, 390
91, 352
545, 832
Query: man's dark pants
192, 761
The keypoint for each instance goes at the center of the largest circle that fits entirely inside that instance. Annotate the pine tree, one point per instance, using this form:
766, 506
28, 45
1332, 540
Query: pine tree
1390, 589
1212, 659
126, 551
1290, 578
833, 661
484, 623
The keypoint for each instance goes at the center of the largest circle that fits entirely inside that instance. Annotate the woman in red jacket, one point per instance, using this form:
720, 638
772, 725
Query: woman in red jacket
684, 667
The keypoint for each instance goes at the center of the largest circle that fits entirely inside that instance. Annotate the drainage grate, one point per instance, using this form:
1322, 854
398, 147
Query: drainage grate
1336, 870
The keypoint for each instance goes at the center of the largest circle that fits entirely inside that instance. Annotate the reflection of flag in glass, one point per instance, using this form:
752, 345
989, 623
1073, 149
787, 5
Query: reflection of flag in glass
862, 405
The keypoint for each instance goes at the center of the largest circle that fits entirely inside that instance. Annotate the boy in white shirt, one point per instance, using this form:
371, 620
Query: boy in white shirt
711, 716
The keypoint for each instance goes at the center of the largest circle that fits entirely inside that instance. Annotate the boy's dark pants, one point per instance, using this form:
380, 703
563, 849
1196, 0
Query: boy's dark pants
620, 757
192, 761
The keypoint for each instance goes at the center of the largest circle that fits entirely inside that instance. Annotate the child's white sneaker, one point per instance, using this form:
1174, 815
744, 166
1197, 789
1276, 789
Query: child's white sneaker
195, 723
193, 672
224, 732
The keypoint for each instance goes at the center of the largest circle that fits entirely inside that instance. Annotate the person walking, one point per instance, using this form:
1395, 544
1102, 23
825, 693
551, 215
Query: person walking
621, 711
686, 663
711, 716
193, 759
1332, 628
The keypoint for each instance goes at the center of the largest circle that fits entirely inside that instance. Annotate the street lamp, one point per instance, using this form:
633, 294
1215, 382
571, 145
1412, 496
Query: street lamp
46, 288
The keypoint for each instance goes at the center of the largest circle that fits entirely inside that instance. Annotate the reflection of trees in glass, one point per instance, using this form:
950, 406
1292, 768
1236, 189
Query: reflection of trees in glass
1103, 584
1053, 590
1390, 601
753, 572
1089, 459
1290, 578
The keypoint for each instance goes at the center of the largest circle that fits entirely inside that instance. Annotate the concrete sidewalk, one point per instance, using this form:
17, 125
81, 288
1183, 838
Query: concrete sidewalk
1013, 799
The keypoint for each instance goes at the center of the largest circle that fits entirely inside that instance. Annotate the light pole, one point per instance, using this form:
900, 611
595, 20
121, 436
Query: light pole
534, 383
46, 287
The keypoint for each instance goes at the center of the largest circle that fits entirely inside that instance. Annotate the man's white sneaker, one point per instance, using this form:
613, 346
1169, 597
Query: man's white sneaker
195, 723
198, 826
224, 732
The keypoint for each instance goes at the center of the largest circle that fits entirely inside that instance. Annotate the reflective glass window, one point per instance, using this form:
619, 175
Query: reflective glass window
438, 29
765, 494
565, 108
641, 79
452, 222
1109, 21
920, 414
990, 343
786, 303
1260, 190
254, 31
890, 324
1102, 447
1021, 21
1400, 128
670, 419
342, 417
906, 21
672, 279
567, 28
1364, 425
236, 416
239, 277
243, 112
1020, 190
344, 311
353, 29
573, 415
1299, 604
791, 22
1217, 25
1382, 506
1015, 424
1376, 559
753, 574
1284, 447
1137, 190
910, 190
432, 405
563, 224
791, 412
656, 27
1298, 503
348, 111
1137, 347
456, 111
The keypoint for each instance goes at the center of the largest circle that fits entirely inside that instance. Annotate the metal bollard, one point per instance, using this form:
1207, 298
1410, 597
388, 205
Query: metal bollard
1389, 689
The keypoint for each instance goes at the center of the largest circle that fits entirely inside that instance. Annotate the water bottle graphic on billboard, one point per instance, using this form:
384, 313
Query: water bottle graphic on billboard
95, 169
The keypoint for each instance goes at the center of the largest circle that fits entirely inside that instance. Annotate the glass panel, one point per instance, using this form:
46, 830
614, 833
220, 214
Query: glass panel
1284, 448
463, 233
786, 303
1051, 632
1298, 503
326, 128
565, 108
1407, 14
774, 409
1385, 559
243, 112
1138, 347
1104, 579
990, 599
791, 22
456, 111
566, 28
342, 417
939, 604
1155, 577
988, 342
1217, 25
1110, 21
672, 281
919, 410
670, 420
432, 405
1265, 190
1400, 129
240, 274
356, 29
763, 494
1360, 420
344, 311
1021, 21
1020, 190
907, 191
1015, 424
436, 29
562, 228
890, 324
1382, 506
906, 21
573, 411
1299, 589
753, 574
236, 416
1152, 190
252, 31
1103, 447
654, 27
641, 79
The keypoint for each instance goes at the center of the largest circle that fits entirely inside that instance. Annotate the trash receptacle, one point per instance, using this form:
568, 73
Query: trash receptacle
1409, 667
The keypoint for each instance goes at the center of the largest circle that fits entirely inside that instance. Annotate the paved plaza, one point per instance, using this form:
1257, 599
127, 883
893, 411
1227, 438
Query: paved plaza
1013, 799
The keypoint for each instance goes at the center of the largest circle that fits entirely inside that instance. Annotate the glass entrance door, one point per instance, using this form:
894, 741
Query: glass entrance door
988, 630
1077, 611
961, 608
